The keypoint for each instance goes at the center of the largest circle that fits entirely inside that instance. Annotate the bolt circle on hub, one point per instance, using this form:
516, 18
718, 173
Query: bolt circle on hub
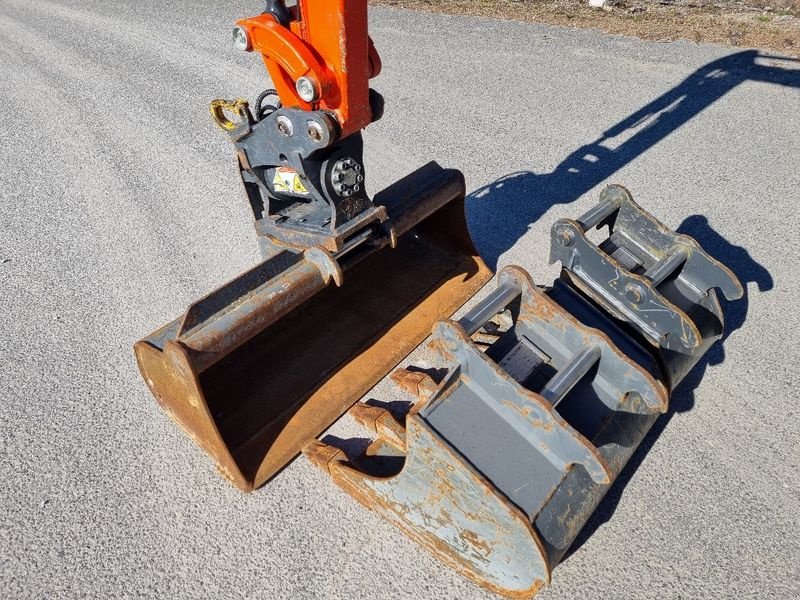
346, 176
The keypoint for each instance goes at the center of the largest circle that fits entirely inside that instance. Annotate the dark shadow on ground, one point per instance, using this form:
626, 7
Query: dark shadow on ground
501, 212
748, 271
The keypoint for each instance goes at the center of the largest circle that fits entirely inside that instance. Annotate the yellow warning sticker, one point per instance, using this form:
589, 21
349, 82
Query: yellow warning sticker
288, 180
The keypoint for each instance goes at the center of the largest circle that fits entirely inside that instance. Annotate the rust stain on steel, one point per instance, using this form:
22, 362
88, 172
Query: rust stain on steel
255, 409
421, 385
471, 538
366, 490
526, 412
356, 377
523, 410
380, 421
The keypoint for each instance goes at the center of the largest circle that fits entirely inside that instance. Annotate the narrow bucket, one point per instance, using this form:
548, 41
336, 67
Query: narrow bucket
263, 365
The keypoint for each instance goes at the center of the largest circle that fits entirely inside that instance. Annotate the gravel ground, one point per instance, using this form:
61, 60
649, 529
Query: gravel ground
120, 205
768, 24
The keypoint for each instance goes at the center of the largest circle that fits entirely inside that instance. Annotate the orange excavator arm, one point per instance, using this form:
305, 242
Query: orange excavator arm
319, 56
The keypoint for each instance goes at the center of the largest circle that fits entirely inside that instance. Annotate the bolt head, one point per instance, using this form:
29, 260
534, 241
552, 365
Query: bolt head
241, 41
315, 131
634, 293
284, 125
307, 89
565, 237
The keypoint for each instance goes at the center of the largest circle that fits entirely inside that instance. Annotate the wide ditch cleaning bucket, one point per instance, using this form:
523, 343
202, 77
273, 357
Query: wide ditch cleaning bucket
264, 364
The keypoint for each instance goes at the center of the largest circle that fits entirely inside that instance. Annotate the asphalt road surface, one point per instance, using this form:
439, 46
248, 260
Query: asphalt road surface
120, 205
